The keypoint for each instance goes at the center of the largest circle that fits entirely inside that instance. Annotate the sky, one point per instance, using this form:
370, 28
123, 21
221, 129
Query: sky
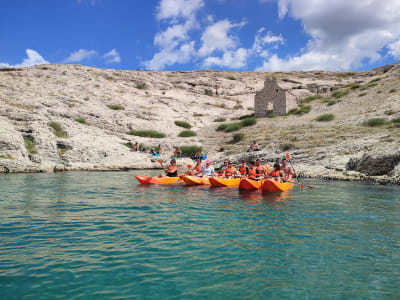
236, 35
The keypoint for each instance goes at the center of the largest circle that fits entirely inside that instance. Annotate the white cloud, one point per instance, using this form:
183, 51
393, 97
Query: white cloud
174, 9
112, 56
171, 56
231, 59
344, 34
394, 49
33, 58
80, 55
216, 37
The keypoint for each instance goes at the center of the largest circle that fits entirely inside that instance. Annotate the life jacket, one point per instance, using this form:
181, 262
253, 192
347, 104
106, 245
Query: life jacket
170, 168
259, 171
251, 173
228, 172
197, 168
266, 167
276, 174
243, 170
221, 172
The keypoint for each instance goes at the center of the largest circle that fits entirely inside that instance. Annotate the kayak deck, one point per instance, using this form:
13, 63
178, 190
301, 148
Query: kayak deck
221, 182
156, 180
195, 180
250, 184
270, 185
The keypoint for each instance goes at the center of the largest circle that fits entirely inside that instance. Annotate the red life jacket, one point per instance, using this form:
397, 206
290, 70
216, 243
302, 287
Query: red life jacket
197, 168
259, 171
242, 170
251, 173
276, 174
228, 172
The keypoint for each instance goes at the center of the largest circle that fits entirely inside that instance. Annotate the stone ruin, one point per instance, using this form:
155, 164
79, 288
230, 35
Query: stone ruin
273, 99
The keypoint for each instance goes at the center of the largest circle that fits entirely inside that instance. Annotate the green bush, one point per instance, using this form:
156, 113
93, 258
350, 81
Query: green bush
353, 86
293, 111
147, 133
231, 78
222, 127
310, 99
246, 116
396, 120
30, 146
233, 127
271, 116
303, 110
208, 92
287, 146
187, 133
190, 151
183, 124
237, 137
339, 94
375, 80
116, 107
376, 122
362, 94
8, 69
331, 102
392, 91
249, 121
325, 117
58, 130
220, 119
141, 86
80, 120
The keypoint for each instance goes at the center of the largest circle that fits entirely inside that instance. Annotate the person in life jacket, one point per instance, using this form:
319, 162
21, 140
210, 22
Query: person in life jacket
276, 173
230, 171
252, 171
172, 170
196, 170
222, 169
243, 168
260, 171
287, 171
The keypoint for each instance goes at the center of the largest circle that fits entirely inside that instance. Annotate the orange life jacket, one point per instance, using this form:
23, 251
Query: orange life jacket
228, 172
242, 170
197, 168
251, 173
221, 172
266, 167
276, 174
259, 171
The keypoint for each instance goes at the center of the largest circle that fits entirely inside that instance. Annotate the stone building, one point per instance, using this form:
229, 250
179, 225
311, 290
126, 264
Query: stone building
274, 99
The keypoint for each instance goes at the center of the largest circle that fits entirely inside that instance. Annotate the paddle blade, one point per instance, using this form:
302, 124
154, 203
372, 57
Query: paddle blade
159, 161
189, 166
310, 187
301, 186
287, 156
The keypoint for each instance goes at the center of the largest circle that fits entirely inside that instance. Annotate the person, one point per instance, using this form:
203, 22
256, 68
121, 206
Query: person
260, 171
159, 149
276, 173
253, 147
230, 171
171, 171
207, 170
196, 156
252, 171
153, 152
196, 170
177, 152
287, 171
222, 169
243, 169
135, 147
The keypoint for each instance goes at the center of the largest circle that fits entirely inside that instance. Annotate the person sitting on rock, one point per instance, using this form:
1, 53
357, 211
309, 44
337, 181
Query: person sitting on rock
287, 171
171, 171
177, 152
253, 147
230, 171
135, 147
276, 173
159, 149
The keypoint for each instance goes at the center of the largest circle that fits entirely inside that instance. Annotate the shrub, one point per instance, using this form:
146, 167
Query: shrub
353, 86
250, 108
183, 124
222, 127
198, 115
58, 130
208, 92
233, 127
362, 94
310, 99
30, 146
293, 111
392, 91
303, 110
8, 69
375, 80
220, 119
376, 122
325, 117
339, 94
246, 116
147, 133
331, 102
190, 151
116, 107
249, 121
80, 120
287, 146
396, 120
237, 137
231, 78
187, 133
141, 86
271, 116
237, 107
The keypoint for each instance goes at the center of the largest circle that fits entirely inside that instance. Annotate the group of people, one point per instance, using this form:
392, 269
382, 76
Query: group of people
253, 170
136, 147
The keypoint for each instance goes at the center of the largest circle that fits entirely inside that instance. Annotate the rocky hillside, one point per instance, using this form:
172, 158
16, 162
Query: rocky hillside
72, 117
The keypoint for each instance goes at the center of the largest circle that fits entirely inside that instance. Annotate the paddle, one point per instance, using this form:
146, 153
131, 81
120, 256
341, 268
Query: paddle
297, 182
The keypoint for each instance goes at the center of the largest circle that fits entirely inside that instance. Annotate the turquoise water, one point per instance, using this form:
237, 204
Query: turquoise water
100, 235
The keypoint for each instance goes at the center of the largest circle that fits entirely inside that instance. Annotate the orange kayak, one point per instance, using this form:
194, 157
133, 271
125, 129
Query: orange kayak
271, 186
250, 184
220, 182
155, 180
195, 180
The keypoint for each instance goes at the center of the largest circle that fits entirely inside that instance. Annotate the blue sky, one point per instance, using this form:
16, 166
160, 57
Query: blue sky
239, 35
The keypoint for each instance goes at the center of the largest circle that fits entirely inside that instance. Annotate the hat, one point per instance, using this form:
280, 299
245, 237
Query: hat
208, 161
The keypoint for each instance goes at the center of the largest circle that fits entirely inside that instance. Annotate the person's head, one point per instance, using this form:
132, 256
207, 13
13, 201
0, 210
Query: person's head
243, 162
136, 143
173, 162
258, 163
225, 163
283, 162
159, 146
251, 163
230, 164
208, 162
198, 162
277, 167
254, 142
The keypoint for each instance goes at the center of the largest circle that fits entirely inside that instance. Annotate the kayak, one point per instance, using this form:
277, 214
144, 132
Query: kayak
220, 182
250, 184
271, 186
195, 180
155, 180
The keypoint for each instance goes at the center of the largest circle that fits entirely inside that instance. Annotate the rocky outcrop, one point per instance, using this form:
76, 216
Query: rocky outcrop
374, 165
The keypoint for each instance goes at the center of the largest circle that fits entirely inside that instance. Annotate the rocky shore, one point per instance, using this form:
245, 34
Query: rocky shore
70, 117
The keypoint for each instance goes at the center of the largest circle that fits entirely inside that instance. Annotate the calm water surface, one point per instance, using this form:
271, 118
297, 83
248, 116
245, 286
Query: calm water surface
101, 235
